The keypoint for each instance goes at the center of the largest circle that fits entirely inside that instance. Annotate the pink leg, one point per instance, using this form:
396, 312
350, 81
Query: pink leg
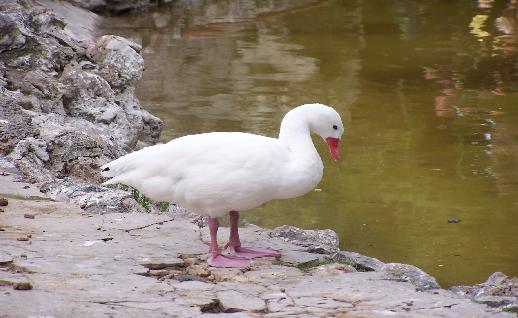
234, 244
218, 260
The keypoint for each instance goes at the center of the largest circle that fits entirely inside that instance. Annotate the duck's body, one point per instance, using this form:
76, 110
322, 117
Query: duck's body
236, 165
220, 172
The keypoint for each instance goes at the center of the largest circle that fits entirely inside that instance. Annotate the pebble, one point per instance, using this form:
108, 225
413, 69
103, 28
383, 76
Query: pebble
22, 286
23, 238
198, 270
29, 216
1, 210
162, 262
3, 202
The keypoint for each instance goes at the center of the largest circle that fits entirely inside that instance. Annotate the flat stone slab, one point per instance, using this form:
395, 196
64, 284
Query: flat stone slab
81, 264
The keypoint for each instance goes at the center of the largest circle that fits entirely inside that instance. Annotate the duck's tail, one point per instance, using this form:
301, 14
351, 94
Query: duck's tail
120, 170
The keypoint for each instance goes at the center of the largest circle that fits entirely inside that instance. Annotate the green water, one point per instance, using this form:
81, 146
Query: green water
427, 91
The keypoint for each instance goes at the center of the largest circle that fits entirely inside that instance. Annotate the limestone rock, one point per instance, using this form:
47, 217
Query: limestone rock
114, 6
411, 274
119, 59
332, 269
497, 291
316, 241
64, 113
92, 197
359, 261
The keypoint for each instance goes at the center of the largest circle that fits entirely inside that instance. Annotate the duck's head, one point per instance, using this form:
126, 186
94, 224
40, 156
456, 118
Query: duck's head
316, 118
326, 122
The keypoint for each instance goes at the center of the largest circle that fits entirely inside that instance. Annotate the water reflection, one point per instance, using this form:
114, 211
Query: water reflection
428, 93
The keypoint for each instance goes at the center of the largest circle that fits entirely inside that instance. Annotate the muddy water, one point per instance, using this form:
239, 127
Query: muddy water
428, 94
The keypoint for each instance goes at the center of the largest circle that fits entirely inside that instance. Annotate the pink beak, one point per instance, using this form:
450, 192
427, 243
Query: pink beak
332, 143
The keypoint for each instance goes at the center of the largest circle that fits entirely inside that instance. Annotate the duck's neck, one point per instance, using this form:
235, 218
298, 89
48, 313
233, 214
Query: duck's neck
295, 132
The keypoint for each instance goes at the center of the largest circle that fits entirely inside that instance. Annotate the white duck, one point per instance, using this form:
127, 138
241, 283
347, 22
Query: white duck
225, 172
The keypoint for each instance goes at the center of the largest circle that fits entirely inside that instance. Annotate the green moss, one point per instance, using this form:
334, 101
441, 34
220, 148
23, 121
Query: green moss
512, 309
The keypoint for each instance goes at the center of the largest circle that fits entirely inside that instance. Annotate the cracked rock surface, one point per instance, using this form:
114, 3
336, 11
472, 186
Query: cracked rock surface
81, 264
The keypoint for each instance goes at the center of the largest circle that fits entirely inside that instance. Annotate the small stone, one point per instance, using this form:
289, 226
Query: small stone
22, 238
315, 241
232, 301
162, 262
22, 286
5, 259
158, 273
1, 210
226, 274
26, 187
190, 261
3, 202
360, 262
211, 278
454, 221
29, 216
332, 269
190, 278
411, 274
198, 270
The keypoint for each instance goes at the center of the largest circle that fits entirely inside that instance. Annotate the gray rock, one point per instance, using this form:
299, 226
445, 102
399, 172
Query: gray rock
5, 258
92, 197
114, 6
15, 122
63, 113
119, 59
411, 274
360, 261
498, 290
315, 241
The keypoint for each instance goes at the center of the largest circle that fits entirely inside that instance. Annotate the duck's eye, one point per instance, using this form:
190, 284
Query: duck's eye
335, 127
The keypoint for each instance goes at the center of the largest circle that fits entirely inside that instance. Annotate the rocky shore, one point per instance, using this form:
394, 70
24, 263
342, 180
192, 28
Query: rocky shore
60, 261
67, 106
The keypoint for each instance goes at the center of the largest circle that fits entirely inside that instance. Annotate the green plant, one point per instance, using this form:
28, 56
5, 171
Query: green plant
163, 206
144, 201
141, 199
512, 309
